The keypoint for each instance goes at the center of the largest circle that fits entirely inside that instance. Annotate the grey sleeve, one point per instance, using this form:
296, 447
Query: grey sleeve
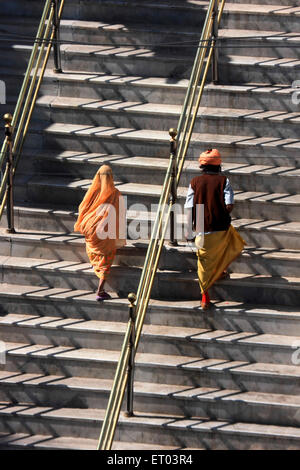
189, 202
228, 193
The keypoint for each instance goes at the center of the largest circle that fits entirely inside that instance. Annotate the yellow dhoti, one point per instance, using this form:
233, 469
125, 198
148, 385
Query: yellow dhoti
219, 250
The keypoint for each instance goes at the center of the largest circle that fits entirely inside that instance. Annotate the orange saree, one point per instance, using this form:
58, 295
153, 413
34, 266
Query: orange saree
101, 220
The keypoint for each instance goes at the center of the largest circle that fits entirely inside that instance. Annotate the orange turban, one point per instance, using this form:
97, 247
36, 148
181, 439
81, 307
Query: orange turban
210, 157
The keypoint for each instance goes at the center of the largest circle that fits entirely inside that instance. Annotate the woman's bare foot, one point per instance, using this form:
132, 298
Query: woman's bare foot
101, 287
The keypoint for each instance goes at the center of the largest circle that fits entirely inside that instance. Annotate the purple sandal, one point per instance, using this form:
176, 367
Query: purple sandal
103, 296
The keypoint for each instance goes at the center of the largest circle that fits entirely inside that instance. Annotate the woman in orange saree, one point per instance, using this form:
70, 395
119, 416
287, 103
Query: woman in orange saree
101, 220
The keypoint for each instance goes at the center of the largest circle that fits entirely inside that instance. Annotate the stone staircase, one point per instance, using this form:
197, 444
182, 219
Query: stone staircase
229, 379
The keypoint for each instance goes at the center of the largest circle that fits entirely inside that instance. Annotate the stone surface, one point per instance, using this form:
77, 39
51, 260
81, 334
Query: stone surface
223, 379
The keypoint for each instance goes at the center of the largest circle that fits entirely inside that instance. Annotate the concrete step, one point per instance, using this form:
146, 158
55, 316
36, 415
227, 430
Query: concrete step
152, 368
145, 197
164, 38
151, 116
184, 39
169, 430
134, 61
67, 247
146, 170
155, 90
76, 392
104, 59
23, 441
161, 37
267, 233
245, 69
240, 287
78, 304
105, 86
260, 17
258, 43
132, 142
233, 68
165, 340
268, 2
236, 15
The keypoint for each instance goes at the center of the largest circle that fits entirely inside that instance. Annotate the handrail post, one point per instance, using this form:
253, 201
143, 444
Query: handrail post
9, 164
56, 43
215, 35
130, 368
173, 197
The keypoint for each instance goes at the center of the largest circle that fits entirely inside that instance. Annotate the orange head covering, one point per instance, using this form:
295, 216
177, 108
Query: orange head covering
94, 208
210, 157
98, 193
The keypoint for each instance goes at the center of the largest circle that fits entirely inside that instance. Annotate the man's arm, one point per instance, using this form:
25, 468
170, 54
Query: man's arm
188, 206
229, 196
189, 226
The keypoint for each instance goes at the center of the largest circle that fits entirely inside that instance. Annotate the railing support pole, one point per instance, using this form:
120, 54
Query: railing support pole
173, 148
130, 369
9, 164
215, 35
56, 39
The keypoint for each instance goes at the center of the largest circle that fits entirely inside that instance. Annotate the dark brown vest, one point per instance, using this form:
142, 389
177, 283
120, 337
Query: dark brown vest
209, 190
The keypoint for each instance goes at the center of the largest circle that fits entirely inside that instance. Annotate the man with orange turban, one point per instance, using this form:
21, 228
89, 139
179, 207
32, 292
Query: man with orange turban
221, 243
101, 220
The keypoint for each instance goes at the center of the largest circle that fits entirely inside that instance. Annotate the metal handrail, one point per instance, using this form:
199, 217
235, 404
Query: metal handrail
19, 122
185, 129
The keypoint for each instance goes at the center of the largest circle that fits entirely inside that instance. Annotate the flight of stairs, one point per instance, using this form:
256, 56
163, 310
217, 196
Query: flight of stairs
224, 379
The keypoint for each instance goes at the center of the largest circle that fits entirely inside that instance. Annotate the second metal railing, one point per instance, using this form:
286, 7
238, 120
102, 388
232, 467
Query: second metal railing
180, 139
